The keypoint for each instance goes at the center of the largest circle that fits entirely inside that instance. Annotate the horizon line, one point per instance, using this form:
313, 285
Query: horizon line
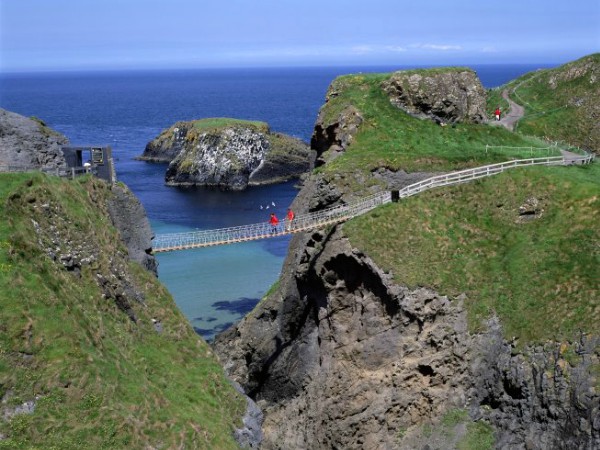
266, 67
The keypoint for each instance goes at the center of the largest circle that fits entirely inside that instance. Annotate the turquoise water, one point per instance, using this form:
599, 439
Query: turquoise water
217, 286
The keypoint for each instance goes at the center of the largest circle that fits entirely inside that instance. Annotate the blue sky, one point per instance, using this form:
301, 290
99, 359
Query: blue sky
110, 34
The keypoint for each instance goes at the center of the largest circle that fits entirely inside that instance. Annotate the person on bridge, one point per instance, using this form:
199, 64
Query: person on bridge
497, 113
274, 221
290, 217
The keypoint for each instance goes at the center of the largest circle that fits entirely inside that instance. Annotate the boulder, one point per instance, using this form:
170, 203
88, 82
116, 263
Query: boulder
27, 143
446, 96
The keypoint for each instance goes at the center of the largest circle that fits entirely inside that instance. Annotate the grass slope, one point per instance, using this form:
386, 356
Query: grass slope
540, 276
98, 379
563, 103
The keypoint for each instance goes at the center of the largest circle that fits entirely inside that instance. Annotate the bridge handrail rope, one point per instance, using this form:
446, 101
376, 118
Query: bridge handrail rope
341, 213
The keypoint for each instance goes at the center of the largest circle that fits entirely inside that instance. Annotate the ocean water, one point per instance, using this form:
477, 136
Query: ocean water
216, 286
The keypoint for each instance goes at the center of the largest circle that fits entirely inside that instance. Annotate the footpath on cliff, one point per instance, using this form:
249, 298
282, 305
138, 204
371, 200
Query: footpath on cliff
515, 112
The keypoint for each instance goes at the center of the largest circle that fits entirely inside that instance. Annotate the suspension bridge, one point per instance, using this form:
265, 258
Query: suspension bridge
319, 219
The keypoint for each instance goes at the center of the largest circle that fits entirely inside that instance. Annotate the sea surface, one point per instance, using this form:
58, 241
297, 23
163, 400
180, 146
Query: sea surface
214, 287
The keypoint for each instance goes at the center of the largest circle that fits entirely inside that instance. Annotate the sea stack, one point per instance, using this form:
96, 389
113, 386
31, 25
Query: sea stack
227, 153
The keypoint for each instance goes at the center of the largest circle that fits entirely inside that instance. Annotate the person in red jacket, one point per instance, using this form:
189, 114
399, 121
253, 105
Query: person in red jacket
290, 216
497, 113
274, 221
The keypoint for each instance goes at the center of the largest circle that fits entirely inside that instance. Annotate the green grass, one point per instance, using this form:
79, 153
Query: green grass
455, 429
388, 137
540, 277
480, 436
562, 104
215, 123
101, 381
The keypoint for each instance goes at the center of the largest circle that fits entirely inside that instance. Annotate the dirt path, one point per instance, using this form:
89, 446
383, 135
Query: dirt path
514, 113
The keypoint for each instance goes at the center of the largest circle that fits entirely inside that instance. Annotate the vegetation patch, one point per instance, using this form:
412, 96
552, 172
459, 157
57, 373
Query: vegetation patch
538, 271
562, 104
216, 123
454, 430
96, 378
389, 137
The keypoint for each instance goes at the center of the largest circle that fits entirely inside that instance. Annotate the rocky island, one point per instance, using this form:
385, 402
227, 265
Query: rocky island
227, 153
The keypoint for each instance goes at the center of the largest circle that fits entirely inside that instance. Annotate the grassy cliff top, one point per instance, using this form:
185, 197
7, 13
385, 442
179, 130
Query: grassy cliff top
97, 378
389, 137
216, 123
538, 273
563, 103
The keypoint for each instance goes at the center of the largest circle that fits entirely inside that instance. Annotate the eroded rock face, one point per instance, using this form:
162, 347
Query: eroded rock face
347, 354
341, 357
534, 397
337, 135
29, 144
445, 96
129, 217
167, 145
226, 159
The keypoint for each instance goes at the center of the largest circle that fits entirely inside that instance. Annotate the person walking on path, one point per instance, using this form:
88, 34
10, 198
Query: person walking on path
497, 113
274, 221
290, 217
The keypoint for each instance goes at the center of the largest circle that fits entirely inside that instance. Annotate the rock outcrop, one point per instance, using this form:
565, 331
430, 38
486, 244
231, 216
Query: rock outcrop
231, 155
129, 217
453, 95
349, 356
27, 143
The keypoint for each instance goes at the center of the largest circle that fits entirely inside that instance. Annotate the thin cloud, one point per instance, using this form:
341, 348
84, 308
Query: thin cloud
489, 49
440, 47
362, 49
395, 48
370, 49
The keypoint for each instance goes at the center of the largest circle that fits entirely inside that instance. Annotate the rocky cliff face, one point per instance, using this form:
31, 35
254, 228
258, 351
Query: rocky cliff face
225, 159
29, 143
444, 96
129, 217
342, 358
230, 156
168, 144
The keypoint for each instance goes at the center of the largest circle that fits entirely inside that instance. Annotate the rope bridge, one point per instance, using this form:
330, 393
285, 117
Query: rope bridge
315, 220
